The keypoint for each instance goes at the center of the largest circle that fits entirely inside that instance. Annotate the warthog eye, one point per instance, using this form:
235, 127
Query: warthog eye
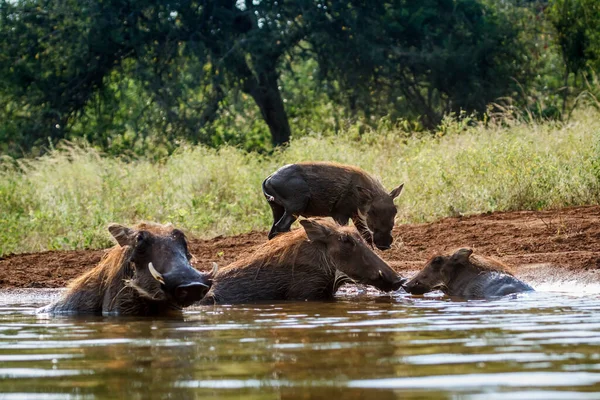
141, 240
141, 236
347, 240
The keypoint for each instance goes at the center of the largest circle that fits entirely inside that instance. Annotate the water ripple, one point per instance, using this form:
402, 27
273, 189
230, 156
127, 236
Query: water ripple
539, 345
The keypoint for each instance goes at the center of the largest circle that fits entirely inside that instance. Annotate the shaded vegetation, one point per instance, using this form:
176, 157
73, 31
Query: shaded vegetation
140, 77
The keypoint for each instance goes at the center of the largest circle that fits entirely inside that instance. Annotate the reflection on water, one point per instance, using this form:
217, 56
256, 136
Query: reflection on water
541, 345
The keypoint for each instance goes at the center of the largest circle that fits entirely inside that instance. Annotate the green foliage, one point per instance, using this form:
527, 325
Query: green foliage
65, 199
427, 58
142, 76
576, 23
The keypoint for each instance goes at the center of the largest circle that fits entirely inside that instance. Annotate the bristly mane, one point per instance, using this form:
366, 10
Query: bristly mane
484, 264
115, 264
351, 169
284, 249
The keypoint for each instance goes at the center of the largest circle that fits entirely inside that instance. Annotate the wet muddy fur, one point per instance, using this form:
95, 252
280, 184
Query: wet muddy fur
324, 189
147, 273
463, 274
305, 264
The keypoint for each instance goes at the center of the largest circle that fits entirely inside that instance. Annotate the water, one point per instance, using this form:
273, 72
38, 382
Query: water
541, 345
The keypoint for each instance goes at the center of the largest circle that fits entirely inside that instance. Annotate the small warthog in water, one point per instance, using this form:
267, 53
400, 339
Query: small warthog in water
324, 189
305, 264
465, 275
148, 273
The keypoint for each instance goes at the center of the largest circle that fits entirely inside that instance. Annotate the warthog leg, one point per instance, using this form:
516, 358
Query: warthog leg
283, 225
278, 212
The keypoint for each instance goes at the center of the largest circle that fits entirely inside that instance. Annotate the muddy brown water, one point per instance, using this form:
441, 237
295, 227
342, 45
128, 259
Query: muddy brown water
364, 345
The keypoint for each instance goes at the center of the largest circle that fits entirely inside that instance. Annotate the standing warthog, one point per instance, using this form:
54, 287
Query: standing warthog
324, 189
464, 275
305, 264
148, 273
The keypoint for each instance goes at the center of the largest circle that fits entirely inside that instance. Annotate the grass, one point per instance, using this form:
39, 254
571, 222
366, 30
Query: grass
65, 199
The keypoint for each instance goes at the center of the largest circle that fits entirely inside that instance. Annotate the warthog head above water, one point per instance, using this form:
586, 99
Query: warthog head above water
148, 273
350, 254
463, 274
430, 278
162, 265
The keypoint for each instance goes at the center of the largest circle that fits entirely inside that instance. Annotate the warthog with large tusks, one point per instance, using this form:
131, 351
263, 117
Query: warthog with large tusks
324, 189
463, 274
305, 264
147, 273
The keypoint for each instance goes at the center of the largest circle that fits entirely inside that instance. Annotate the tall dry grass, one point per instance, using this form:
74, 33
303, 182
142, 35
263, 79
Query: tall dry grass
65, 199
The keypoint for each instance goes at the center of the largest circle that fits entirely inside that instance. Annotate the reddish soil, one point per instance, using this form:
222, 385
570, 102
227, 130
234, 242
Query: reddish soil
539, 245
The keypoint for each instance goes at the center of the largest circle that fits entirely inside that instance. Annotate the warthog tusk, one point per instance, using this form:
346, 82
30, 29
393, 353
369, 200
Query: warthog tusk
215, 268
380, 273
155, 274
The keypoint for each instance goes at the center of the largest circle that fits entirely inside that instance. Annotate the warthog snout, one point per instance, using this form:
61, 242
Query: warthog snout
388, 280
190, 293
186, 284
416, 287
391, 286
400, 282
382, 240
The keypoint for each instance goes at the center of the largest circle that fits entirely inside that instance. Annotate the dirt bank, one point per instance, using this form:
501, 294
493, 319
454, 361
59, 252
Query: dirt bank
540, 245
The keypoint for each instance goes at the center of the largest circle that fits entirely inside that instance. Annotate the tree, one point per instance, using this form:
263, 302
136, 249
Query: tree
429, 58
577, 24
183, 58
58, 54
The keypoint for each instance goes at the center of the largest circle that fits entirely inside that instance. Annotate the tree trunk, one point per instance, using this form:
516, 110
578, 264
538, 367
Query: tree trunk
265, 93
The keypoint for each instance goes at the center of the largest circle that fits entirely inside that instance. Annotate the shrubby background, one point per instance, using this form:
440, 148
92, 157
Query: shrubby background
66, 198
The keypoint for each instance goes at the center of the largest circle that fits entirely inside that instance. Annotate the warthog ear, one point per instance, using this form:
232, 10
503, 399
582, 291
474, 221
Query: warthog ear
396, 192
462, 254
315, 231
122, 234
